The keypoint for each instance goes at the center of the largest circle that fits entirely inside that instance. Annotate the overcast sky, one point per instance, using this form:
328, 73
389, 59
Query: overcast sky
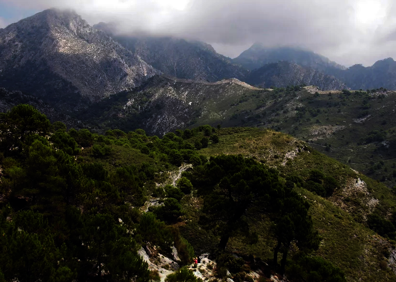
345, 31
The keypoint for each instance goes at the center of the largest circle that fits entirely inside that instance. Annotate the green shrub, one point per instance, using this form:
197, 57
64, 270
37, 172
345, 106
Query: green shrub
230, 262
183, 274
215, 139
205, 142
169, 212
145, 150
140, 132
152, 230
184, 248
58, 125
99, 151
382, 226
313, 269
176, 158
198, 145
187, 134
65, 142
185, 185
195, 160
173, 192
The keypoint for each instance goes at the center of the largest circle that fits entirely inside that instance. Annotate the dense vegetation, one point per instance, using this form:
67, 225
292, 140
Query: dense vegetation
353, 127
73, 203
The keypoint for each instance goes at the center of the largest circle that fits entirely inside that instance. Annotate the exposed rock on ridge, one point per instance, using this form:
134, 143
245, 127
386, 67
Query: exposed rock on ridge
57, 56
164, 104
181, 58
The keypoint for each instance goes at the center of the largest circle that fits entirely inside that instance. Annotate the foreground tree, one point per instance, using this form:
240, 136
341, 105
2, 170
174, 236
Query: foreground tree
235, 188
20, 122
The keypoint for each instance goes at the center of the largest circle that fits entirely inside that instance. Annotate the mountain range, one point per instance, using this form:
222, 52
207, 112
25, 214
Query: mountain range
56, 56
93, 77
177, 57
259, 55
151, 126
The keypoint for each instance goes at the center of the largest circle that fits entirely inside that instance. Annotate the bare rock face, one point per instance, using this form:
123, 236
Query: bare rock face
58, 57
181, 58
164, 104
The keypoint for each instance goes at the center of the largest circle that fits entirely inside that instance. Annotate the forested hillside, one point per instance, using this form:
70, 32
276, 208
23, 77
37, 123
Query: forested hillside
80, 206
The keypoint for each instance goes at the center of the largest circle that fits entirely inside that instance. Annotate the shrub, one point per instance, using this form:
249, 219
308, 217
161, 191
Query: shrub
187, 134
173, 192
84, 138
382, 226
215, 139
145, 150
230, 262
58, 125
205, 142
169, 212
183, 274
384, 265
65, 142
99, 151
184, 248
312, 269
175, 158
195, 160
198, 145
185, 185
140, 132
153, 230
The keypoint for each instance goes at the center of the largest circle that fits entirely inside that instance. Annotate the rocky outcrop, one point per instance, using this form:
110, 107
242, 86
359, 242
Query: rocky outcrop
57, 56
181, 58
165, 104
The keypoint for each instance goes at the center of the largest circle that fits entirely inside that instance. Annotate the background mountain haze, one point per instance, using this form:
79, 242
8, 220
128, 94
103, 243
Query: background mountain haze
347, 32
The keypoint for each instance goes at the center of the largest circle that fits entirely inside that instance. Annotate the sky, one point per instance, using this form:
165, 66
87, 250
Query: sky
346, 31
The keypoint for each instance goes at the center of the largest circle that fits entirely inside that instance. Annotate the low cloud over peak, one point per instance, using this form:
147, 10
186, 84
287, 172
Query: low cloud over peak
346, 31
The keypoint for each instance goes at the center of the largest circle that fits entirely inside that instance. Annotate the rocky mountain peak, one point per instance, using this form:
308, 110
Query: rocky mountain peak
283, 74
178, 57
384, 62
259, 55
73, 60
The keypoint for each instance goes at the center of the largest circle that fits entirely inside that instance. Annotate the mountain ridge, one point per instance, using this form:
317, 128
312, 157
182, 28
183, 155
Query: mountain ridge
258, 55
283, 74
67, 55
178, 57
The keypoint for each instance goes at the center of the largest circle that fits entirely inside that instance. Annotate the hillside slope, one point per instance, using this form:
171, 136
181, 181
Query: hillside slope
56, 194
356, 128
341, 219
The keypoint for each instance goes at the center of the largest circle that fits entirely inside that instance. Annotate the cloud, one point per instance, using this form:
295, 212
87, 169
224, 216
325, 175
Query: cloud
2, 23
347, 31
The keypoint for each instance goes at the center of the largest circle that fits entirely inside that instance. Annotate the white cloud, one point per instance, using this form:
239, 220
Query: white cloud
347, 31
2, 23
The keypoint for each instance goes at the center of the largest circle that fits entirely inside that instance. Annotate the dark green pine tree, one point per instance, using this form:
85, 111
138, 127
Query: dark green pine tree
20, 122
